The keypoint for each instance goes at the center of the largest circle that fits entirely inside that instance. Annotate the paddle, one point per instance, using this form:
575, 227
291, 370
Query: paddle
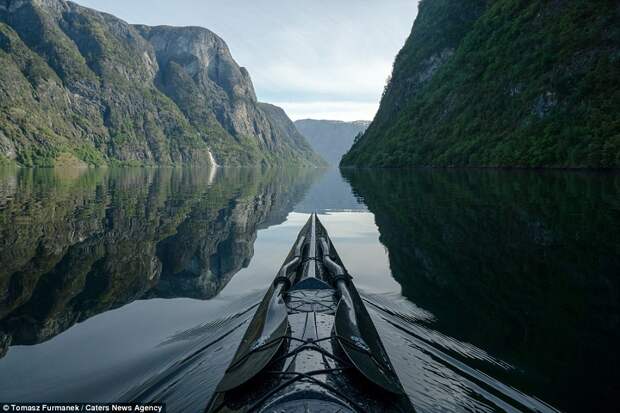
267, 330
355, 331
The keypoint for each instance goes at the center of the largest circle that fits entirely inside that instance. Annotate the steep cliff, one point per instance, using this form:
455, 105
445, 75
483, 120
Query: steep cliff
331, 138
502, 83
84, 87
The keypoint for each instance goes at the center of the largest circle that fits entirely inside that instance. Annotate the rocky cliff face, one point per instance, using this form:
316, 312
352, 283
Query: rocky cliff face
83, 86
331, 138
72, 247
502, 83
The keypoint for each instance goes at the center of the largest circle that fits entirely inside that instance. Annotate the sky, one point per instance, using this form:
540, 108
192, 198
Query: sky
320, 59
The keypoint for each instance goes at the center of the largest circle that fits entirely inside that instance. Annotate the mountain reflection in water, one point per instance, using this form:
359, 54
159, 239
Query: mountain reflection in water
76, 245
492, 290
522, 264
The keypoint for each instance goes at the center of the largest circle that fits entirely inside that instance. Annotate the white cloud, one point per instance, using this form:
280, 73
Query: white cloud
332, 53
341, 80
331, 110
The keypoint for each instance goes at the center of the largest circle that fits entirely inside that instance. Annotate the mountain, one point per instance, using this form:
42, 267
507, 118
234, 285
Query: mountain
331, 138
502, 83
82, 87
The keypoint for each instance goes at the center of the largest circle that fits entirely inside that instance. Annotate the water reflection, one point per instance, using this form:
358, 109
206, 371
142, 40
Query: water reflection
76, 243
524, 265
330, 194
492, 290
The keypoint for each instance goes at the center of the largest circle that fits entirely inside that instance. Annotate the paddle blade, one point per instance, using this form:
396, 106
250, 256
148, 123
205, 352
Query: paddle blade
359, 340
262, 340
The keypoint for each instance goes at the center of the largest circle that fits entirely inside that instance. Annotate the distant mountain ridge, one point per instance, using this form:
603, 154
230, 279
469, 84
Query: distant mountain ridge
331, 138
81, 86
502, 83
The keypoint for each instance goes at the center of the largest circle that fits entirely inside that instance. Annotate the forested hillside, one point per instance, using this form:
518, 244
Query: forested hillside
508, 83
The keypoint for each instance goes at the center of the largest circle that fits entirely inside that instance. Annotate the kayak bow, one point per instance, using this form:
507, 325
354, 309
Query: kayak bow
311, 345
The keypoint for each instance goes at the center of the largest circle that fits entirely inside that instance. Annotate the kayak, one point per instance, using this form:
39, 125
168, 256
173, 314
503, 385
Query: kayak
311, 345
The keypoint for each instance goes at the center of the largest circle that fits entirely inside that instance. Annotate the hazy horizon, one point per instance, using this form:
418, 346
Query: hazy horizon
317, 60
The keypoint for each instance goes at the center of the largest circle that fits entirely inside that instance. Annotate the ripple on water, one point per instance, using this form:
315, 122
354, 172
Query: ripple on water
439, 372
203, 353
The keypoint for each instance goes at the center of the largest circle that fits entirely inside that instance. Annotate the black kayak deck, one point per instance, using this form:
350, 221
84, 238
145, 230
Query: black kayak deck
310, 368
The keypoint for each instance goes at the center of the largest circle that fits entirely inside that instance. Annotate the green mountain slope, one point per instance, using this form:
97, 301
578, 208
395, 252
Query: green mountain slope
502, 83
81, 86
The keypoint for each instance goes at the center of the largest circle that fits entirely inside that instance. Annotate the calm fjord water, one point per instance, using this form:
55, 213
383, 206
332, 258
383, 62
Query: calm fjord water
492, 290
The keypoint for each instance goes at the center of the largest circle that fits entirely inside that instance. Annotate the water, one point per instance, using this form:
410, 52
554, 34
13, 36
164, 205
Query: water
492, 290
